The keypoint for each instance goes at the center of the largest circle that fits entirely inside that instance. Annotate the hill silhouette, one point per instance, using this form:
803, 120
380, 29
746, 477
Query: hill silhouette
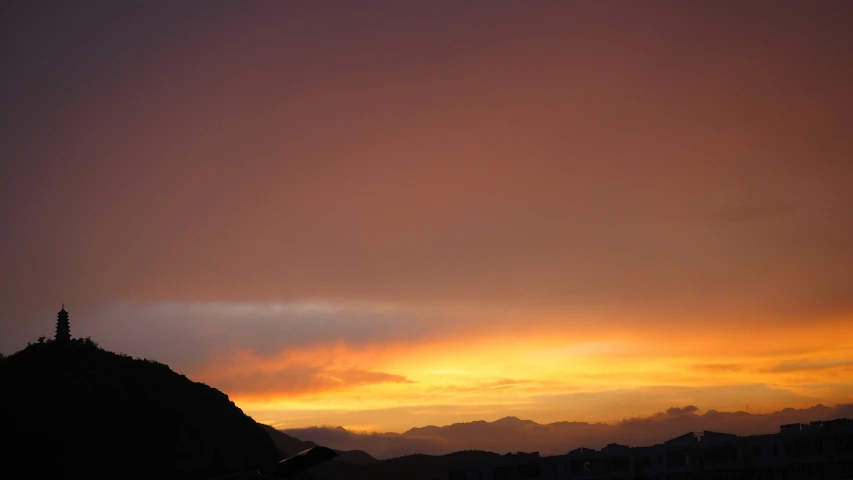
286, 444
356, 457
74, 410
290, 446
410, 467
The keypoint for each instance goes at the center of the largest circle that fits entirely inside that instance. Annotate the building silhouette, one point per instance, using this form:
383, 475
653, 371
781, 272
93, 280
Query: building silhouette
821, 450
63, 328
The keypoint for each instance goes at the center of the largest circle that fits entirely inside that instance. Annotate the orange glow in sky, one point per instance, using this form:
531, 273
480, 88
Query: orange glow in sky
548, 372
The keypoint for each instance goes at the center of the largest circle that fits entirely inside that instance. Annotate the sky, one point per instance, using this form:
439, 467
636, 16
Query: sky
384, 215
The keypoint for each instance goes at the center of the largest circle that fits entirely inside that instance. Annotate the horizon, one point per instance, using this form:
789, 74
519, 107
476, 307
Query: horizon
612, 415
668, 414
619, 419
698, 412
687, 410
506, 434
382, 216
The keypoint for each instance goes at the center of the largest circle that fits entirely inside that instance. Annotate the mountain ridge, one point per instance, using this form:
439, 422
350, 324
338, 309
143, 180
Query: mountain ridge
510, 433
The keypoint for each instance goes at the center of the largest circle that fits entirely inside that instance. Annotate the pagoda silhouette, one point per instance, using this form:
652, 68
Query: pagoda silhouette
63, 328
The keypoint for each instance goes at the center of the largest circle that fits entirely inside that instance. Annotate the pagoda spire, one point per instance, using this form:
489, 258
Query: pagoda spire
63, 328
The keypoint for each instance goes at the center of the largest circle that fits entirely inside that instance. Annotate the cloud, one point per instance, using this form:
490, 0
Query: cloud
516, 384
298, 379
354, 376
718, 367
688, 410
513, 199
808, 366
189, 335
597, 404
744, 211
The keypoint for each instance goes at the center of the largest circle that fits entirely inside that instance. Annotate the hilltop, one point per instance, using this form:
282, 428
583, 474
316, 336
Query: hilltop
71, 409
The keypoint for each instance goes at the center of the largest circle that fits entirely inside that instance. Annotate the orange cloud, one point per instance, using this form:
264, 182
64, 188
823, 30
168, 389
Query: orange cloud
591, 372
302, 379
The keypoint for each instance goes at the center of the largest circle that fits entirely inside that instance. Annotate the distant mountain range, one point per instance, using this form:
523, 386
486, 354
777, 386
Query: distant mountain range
291, 446
511, 434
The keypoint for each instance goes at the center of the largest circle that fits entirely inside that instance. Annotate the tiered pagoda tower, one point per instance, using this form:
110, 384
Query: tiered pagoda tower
63, 328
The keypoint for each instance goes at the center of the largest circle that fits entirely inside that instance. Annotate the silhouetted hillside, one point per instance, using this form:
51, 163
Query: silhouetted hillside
410, 467
290, 446
74, 410
357, 457
286, 444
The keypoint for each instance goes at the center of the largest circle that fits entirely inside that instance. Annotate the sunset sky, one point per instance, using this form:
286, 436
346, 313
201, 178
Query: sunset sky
384, 215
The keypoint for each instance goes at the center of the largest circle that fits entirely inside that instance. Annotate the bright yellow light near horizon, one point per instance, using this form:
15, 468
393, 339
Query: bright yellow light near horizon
501, 373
